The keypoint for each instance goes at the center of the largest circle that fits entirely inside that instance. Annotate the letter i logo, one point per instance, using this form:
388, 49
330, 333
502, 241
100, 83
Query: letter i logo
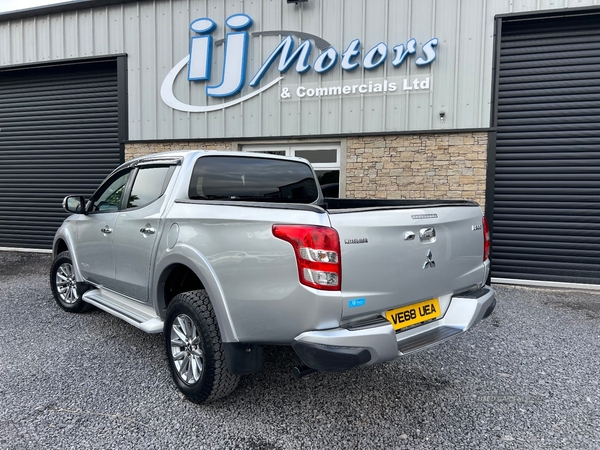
236, 50
200, 50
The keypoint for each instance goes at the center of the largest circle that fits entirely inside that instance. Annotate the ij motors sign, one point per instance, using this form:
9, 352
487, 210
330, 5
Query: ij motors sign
304, 52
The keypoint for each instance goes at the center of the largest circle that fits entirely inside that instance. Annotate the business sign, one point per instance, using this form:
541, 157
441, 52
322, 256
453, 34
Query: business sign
302, 57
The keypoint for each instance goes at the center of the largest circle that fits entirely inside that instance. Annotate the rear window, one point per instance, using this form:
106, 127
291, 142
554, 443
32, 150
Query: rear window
252, 179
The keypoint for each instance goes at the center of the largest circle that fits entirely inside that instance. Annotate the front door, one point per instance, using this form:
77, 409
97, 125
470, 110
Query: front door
94, 248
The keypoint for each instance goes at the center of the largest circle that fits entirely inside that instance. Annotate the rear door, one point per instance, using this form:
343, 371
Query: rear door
137, 228
393, 258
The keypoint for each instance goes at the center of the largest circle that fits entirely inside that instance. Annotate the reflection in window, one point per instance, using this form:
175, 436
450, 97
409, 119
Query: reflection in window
109, 198
325, 159
318, 156
330, 182
148, 186
252, 179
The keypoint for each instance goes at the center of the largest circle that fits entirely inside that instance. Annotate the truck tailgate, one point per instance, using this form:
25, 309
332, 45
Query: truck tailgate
398, 257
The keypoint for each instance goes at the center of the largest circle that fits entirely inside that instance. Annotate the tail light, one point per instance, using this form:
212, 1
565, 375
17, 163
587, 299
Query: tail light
317, 252
486, 240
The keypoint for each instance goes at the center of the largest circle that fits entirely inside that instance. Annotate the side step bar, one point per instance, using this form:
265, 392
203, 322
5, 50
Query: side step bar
132, 312
428, 338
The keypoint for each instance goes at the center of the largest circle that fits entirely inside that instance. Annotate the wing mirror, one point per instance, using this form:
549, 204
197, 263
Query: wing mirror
74, 204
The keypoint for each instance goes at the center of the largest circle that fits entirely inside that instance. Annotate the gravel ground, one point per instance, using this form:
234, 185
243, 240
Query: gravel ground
527, 377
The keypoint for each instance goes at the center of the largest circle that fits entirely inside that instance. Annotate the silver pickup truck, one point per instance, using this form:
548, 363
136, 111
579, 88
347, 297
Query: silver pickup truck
227, 252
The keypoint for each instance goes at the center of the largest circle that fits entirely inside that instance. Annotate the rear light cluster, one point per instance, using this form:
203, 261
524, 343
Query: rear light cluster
486, 240
317, 252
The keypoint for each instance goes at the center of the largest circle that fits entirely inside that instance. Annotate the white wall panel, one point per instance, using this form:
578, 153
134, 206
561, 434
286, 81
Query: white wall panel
42, 39
155, 34
55, 36
417, 104
353, 12
85, 33
30, 45
148, 48
468, 76
5, 43
71, 35
17, 43
101, 38
164, 58
398, 24
445, 76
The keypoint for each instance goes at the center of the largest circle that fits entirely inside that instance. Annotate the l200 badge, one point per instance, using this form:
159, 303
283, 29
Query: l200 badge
356, 241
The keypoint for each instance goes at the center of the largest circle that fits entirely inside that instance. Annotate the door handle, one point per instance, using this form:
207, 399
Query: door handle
106, 230
147, 230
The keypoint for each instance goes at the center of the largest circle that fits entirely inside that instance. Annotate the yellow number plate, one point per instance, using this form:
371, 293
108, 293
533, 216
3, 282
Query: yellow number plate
413, 314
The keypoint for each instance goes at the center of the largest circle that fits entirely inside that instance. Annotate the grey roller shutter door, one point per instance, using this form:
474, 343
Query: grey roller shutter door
546, 210
58, 136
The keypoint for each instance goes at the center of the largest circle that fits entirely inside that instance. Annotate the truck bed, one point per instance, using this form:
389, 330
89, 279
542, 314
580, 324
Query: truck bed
343, 205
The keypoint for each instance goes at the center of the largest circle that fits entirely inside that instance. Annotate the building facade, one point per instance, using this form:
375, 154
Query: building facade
496, 101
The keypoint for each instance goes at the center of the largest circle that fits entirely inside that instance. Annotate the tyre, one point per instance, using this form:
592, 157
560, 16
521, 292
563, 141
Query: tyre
64, 286
194, 349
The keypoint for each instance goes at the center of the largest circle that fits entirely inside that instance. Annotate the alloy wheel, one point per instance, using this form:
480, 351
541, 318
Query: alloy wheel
66, 284
186, 349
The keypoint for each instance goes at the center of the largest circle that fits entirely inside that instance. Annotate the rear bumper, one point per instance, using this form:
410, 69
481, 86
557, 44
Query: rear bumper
375, 342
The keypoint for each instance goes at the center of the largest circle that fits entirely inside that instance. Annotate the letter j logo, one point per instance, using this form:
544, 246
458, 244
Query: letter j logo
236, 50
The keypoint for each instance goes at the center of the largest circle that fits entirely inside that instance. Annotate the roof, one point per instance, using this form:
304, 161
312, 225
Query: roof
58, 8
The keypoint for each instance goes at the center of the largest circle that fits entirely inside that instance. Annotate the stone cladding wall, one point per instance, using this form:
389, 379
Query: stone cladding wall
428, 166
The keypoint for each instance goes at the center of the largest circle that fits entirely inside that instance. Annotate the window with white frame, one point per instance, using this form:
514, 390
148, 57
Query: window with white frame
325, 159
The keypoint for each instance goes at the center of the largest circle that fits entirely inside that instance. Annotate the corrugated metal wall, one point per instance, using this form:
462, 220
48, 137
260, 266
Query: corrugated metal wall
155, 35
546, 207
58, 136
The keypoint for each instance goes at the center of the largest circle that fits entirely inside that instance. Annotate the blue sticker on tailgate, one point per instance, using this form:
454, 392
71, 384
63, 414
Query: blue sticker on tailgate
356, 302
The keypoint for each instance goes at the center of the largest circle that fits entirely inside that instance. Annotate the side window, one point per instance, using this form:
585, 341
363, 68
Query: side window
108, 197
149, 185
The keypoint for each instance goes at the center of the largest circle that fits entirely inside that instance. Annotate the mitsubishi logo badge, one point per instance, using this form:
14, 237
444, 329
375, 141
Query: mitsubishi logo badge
430, 263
